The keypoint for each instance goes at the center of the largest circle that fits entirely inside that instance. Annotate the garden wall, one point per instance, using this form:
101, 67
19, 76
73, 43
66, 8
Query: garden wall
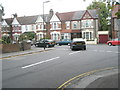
7, 48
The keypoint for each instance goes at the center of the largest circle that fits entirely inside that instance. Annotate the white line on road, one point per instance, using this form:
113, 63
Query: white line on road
39, 62
101, 51
108, 51
74, 52
95, 50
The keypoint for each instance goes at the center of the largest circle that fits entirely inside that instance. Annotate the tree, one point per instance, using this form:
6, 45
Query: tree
6, 40
103, 14
110, 4
27, 36
1, 12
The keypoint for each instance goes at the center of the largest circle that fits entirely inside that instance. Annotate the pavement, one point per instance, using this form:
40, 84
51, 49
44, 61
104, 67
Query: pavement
31, 51
107, 78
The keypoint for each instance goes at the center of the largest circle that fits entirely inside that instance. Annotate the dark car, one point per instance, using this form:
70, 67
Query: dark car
78, 44
46, 42
64, 42
113, 42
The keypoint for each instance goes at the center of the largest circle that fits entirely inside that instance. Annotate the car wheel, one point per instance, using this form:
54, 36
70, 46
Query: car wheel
68, 44
84, 48
36, 45
110, 44
59, 44
47, 46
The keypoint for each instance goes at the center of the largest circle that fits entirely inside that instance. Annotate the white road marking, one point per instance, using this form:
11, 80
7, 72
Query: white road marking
40, 62
108, 51
101, 51
95, 50
74, 52
117, 52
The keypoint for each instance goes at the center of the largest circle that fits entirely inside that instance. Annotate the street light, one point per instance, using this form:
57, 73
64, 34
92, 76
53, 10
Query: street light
43, 21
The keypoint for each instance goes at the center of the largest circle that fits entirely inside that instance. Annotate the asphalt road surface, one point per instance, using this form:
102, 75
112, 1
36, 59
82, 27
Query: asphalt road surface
52, 68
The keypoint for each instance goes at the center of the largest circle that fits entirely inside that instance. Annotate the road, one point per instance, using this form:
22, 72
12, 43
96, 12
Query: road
50, 69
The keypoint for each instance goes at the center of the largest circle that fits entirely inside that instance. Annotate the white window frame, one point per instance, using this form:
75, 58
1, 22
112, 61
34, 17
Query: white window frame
55, 25
67, 24
89, 22
77, 23
90, 35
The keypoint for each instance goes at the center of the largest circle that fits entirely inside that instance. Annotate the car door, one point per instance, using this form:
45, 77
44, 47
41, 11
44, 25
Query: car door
41, 43
115, 41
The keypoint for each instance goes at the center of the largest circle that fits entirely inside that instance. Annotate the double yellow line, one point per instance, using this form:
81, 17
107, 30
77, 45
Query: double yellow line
69, 82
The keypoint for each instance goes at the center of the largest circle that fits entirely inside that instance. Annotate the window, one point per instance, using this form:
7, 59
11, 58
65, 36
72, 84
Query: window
87, 35
67, 25
74, 25
87, 23
54, 25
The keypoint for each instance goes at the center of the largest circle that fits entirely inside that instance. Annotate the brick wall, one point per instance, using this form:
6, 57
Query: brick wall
7, 48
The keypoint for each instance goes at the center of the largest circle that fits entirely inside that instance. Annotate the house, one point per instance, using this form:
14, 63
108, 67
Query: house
6, 27
18, 25
43, 25
115, 22
57, 26
76, 24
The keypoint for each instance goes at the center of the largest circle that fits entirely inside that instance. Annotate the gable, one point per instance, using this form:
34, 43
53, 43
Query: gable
86, 15
54, 18
4, 23
39, 19
15, 22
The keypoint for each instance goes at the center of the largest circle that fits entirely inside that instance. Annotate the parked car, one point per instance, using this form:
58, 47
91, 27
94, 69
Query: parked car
77, 44
113, 42
46, 42
64, 42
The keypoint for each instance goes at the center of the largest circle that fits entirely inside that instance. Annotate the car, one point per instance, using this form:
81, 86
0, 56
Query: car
45, 42
64, 42
113, 42
77, 44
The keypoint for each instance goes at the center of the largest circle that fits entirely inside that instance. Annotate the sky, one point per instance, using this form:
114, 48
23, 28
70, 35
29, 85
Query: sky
35, 7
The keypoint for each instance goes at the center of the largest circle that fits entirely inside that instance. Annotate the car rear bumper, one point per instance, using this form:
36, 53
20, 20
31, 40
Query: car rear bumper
78, 46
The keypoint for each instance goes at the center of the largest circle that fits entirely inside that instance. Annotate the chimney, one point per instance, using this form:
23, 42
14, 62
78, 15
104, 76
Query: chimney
15, 15
51, 12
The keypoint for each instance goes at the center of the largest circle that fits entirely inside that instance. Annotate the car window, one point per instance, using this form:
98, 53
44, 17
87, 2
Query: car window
115, 39
65, 40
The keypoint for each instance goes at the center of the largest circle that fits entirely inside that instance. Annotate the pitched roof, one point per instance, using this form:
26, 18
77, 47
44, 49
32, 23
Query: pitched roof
27, 19
46, 17
76, 15
67, 16
9, 21
93, 13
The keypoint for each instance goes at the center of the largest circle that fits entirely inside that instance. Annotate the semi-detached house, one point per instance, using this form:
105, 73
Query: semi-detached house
57, 26
18, 25
14, 27
77, 24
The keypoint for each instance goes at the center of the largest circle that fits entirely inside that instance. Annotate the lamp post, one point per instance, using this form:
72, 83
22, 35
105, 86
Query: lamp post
43, 22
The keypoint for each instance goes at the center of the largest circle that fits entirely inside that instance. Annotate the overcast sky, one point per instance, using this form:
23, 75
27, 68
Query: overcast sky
35, 7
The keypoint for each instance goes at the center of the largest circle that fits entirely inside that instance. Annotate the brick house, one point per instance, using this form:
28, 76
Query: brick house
41, 30
77, 24
57, 26
115, 22
14, 27
7, 27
